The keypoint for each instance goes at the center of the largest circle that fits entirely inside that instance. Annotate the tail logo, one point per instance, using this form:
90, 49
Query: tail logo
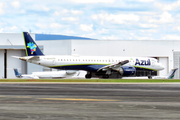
32, 47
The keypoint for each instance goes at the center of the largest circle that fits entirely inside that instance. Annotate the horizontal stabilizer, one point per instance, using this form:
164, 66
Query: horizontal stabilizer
27, 58
15, 57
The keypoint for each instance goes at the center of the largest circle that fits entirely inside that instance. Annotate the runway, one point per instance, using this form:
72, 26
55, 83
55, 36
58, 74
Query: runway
75, 101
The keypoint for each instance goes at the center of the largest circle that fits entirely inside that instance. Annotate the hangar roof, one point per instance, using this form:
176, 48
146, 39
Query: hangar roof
16, 47
40, 37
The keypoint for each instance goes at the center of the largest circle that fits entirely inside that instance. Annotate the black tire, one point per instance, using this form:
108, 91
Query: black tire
105, 76
149, 77
88, 76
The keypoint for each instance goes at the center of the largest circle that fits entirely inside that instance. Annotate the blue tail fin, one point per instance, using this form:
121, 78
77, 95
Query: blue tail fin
30, 46
17, 73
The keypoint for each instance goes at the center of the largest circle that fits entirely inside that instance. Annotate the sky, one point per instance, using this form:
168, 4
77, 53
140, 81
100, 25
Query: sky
97, 19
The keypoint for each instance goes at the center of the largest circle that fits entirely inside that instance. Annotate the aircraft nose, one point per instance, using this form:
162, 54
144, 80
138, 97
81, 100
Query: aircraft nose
161, 67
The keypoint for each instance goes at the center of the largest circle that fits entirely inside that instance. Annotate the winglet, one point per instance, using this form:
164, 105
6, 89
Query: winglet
31, 47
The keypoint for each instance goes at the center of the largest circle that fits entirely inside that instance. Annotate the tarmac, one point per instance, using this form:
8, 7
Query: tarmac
89, 101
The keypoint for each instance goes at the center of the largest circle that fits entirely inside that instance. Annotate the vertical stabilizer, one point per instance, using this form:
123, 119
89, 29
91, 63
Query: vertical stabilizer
172, 73
17, 74
30, 46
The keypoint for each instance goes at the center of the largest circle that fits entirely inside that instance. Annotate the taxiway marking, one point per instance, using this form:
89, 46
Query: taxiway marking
68, 99
77, 99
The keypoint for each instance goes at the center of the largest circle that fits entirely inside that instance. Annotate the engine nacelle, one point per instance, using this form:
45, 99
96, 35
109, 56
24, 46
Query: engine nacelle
127, 71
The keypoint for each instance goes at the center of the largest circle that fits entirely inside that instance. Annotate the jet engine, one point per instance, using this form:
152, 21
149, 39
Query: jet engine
127, 71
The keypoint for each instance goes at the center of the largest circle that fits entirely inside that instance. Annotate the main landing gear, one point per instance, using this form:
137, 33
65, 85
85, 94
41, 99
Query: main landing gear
105, 76
88, 75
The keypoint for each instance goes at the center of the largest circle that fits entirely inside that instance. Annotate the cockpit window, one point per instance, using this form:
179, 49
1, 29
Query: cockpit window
155, 61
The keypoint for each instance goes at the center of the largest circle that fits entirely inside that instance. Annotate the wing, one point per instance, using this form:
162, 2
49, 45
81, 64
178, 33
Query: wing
113, 66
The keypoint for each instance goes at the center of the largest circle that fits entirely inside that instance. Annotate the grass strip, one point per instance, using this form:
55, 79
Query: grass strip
93, 80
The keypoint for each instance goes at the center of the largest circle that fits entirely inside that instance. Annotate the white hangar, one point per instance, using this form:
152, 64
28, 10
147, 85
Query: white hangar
12, 44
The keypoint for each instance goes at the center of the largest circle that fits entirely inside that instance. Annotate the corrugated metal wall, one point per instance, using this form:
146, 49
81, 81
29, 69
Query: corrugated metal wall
15, 63
1, 63
176, 56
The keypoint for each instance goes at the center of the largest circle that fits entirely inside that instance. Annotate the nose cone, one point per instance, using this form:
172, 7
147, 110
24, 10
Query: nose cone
161, 66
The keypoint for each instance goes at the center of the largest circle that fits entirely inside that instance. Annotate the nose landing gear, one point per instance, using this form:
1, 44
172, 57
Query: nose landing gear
149, 75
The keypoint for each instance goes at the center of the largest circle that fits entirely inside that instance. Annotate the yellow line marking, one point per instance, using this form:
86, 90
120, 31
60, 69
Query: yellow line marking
77, 99
2, 96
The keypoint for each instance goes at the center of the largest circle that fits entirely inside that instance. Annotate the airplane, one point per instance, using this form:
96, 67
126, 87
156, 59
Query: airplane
170, 75
99, 66
51, 74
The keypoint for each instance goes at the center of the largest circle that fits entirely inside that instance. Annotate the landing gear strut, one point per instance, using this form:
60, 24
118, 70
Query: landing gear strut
149, 75
106, 76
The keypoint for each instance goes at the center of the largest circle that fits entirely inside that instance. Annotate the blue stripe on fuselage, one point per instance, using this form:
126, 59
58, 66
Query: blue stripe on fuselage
91, 68
143, 69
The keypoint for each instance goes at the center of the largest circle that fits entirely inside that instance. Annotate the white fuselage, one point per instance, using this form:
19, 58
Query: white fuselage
81, 62
55, 75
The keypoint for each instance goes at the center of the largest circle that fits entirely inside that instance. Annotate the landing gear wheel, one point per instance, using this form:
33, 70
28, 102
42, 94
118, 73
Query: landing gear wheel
88, 76
149, 77
105, 76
